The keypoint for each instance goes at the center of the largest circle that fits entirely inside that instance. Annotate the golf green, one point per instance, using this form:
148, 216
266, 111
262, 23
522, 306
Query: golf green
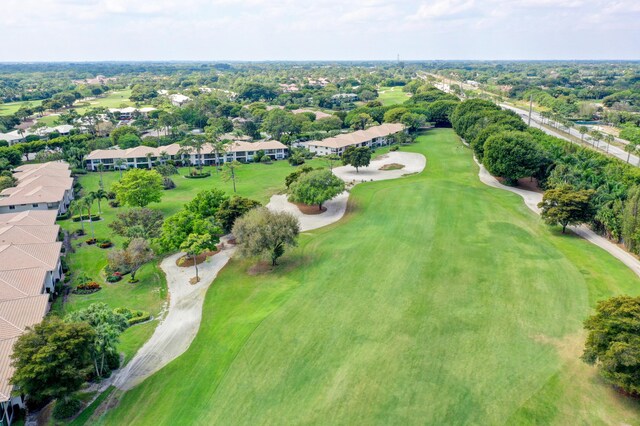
436, 300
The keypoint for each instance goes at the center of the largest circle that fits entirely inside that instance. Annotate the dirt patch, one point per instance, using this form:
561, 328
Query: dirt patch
187, 261
528, 183
392, 166
194, 280
261, 267
307, 209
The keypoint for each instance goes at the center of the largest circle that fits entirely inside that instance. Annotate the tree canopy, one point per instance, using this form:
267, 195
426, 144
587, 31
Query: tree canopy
138, 223
261, 232
315, 187
566, 206
512, 155
53, 359
613, 342
356, 157
139, 187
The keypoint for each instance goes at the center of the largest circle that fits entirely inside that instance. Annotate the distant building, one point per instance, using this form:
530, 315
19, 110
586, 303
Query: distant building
372, 137
178, 100
146, 157
129, 112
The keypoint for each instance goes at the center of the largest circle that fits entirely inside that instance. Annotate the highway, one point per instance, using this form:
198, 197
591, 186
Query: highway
537, 120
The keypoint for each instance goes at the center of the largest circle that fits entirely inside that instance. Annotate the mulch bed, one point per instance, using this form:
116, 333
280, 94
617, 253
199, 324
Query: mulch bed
392, 166
187, 261
307, 209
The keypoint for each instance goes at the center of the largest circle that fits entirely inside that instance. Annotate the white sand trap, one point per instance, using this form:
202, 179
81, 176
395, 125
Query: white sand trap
531, 199
413, 163
177, 330
335, 210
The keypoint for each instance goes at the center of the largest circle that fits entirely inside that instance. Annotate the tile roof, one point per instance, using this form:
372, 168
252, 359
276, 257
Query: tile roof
28, 234
359, 136
24, 256
19, 283
29, 217
173, 149
15, 316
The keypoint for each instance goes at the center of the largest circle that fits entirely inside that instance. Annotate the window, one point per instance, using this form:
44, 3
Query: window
34, 205
12, 207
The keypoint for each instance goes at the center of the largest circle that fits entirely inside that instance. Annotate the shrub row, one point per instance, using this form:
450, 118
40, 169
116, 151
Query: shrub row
78, 218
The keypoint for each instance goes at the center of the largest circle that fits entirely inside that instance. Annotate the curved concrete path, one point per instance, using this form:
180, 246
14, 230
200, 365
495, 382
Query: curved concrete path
531, 199
336, 207
177, 330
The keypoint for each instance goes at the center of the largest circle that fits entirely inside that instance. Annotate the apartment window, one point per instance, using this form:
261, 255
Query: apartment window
34, 205
12, 207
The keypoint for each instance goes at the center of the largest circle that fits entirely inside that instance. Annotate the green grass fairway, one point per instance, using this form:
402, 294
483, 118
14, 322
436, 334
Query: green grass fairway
12, 107
437, 300
392, 95
114, 99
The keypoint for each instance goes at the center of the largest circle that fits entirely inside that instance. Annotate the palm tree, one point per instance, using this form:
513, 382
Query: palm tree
212, 135
88, 203
119, 163
100, 168
149, 160
609, 140
77, 206
597, 137
630, 147
583, 131
98, 195
197, 143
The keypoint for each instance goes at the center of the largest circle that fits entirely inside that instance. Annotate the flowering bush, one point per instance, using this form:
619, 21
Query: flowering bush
87, 288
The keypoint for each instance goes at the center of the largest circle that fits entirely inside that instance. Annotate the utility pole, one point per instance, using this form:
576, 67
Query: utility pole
530, 108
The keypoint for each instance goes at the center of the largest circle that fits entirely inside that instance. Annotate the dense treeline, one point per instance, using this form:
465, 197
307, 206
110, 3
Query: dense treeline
495, 133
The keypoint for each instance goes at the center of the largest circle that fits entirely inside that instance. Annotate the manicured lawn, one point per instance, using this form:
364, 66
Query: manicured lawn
12, 107
392, 95
116, 99
258, 181
436, 300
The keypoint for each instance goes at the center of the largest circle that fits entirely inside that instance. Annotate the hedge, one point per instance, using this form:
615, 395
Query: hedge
78, 218
198, 176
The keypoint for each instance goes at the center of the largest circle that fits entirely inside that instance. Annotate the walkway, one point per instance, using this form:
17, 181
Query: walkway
531, 199
177, 330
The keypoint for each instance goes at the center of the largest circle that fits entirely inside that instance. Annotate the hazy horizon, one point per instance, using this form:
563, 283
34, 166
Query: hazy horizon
325, 30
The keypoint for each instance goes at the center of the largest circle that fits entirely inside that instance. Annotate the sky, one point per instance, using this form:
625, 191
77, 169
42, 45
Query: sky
257, 30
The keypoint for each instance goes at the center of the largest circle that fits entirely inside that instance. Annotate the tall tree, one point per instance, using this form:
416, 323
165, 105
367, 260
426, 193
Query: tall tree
512, 155
229, 172
136, 254
196, 244
52, 359
138, 223
356, 157
233, 208
567, 206
107, 326
139, 187
316, 187
99, 194
613, 342
261, 232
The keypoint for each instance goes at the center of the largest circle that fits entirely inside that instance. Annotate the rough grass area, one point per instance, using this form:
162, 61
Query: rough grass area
437, 300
